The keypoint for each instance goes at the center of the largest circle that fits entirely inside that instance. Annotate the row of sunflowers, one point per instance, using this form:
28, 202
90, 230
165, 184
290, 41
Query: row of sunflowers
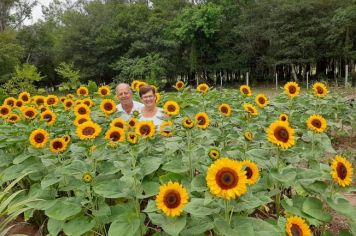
224, 162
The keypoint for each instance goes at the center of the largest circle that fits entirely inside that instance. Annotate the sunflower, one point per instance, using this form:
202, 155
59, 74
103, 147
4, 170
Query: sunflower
281, 134
82, 91
108, 106
214, 153
43, 108
62, 99
13, 118
68, 103
154, 88
172, 198
316, 123
158, 97
250, 109
87, 177
248, 136
140, 84
5, 110
25, 97
81, 110
58, 145
81, 119
202, 120
292, 89
78, 102
145, 129
29, 112
203, 88
261, 100
296, 226
18, 103
115, 135
171, 108
70, 96
342, 171
38, 138
10, 101
320, 90
39, 100
226, 178
51, 100
166, 128
245, 90
252, 172
187, 123
132, 122
88, 130
283, 117
119, 123
49, 116
88, 102
104, 90
66, 138
134, 84
179, 85
225, 109
131, 137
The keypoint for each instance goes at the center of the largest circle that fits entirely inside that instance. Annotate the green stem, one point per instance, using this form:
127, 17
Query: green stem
226, 203
278, 196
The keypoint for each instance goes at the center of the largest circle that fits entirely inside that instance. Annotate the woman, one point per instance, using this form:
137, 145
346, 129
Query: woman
150, 111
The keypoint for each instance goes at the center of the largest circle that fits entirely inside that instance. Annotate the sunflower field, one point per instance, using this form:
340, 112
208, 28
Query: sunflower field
224, 162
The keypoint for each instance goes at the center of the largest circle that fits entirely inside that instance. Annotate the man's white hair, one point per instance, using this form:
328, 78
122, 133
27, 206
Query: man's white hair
125, 85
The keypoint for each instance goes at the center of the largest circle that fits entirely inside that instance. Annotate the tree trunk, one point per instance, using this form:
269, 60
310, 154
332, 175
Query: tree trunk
294, 74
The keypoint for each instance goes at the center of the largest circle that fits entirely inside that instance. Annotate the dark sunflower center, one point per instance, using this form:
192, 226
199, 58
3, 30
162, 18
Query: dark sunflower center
119, 125
292, 89
29, 113
249, 172
87, 103
171, 108
19, 103
132, 123
296, 230
50, 101
203, 88
82, 111
39, 138
179, 85
261, 100
4, 111
66, 138
24, 98
69, 104
145, 130
224, 110
341, 171
88, 131
108, 106
83, 92
48, 117
201, 121
57, 145
226, 178
283, 118
82, 120
316, 123
40, 101
250, 109
319, 90
281, 134
188, 122
115, 136
132, 136
214, 154
172, 199
245, 91
104, 92
10, 103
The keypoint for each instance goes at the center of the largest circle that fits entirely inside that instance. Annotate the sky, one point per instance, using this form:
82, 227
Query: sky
37, 12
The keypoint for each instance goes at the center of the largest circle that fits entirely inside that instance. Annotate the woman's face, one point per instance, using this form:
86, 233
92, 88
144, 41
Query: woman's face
149, 99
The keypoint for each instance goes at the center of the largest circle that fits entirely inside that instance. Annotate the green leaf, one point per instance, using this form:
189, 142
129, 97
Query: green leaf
170, 177
78, 226
198, 225
125, 224
149, 165
113, 188
175, 166
314, 208
198, 184
54, 226
150, 189
196, 207
342, 206
174, 225
63, 209
151, 207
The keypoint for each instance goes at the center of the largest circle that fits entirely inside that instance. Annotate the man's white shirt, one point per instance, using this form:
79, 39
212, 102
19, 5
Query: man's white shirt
137, 106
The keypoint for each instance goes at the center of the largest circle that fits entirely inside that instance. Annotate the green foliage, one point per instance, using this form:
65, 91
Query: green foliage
23, 79
67, 72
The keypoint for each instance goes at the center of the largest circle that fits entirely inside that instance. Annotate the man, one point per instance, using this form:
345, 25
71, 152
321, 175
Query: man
127, 105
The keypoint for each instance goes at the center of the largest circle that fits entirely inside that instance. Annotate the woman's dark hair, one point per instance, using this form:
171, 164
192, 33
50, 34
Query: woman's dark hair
145, 89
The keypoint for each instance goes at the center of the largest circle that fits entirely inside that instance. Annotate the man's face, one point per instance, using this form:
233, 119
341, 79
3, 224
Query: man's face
124, 94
